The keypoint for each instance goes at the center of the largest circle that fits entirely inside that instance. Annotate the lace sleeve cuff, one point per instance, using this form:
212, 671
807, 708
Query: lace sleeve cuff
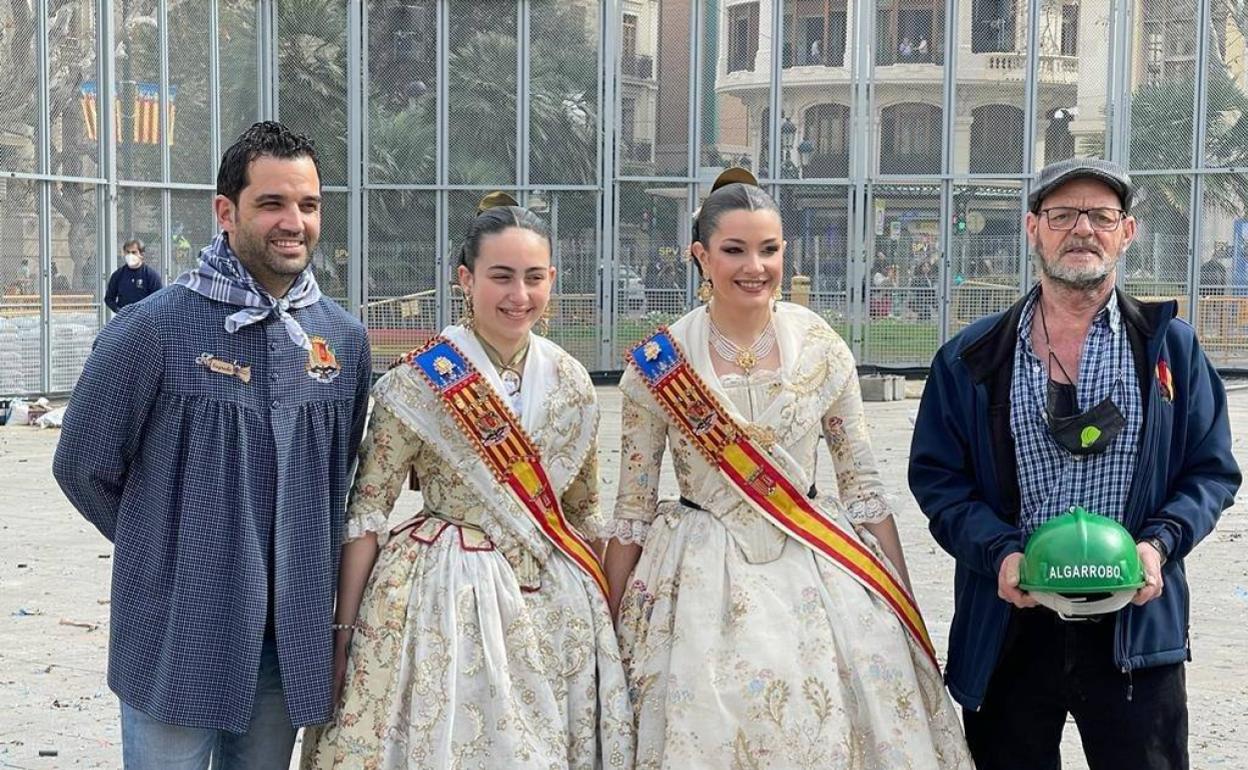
627, 531
595, 527
868, 510
363, 521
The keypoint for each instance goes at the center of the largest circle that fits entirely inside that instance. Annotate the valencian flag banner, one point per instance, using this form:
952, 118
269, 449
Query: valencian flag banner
90, 111
144, 112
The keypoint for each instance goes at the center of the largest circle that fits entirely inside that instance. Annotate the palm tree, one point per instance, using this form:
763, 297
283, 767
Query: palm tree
312, 63
482, 107
1161, 137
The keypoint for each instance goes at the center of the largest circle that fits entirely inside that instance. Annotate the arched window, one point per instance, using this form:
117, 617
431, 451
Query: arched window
826, 126
996, 140
910, 139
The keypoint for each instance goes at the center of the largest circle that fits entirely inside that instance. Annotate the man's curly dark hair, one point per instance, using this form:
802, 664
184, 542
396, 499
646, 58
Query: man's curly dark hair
266, 138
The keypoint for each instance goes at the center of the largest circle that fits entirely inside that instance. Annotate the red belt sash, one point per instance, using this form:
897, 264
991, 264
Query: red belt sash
751, 472
510, 455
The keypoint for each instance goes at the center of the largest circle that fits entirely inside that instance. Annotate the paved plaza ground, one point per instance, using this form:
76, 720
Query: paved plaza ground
54, 596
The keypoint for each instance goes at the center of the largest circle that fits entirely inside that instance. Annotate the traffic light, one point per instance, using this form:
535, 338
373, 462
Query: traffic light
959, 212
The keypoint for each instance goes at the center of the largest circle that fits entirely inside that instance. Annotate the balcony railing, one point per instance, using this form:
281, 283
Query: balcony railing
740, 59
1052, 68
806, 58
637, 66
910, 163
832, 164
887, 56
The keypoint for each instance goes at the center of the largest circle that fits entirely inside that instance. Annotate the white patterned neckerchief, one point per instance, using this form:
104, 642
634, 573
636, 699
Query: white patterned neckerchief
221, 276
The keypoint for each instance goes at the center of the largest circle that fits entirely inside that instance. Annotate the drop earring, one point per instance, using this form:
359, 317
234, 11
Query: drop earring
705, 290
467, 318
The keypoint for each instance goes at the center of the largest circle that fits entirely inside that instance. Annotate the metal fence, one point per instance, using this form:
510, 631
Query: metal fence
900, 139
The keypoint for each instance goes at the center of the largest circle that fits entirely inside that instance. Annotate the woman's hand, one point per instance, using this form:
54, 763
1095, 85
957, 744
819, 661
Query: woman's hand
618, 562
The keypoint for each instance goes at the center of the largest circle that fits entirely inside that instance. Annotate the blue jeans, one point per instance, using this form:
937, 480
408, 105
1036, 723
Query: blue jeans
148, 744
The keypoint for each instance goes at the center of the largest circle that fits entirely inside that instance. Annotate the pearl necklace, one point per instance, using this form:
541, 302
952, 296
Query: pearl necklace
746, 358
509, 372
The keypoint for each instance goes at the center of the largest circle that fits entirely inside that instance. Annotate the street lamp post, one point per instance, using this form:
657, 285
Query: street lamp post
805, 149
804, 152
788, 132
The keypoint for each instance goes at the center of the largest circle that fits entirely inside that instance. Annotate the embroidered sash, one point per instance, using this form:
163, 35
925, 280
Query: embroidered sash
510, 455
738, 457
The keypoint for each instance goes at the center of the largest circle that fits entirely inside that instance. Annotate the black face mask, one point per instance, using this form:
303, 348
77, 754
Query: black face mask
1081, 433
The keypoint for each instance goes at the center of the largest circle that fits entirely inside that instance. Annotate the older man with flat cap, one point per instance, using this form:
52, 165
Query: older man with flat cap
994, 457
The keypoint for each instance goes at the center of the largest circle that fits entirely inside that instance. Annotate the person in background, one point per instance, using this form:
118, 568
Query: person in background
133, 281
60, 284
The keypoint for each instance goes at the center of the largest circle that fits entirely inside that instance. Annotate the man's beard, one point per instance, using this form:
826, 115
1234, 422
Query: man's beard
1083, 278
255, 251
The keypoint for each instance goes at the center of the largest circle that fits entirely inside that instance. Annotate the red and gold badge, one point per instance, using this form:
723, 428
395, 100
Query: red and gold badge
1165, 381
322, 363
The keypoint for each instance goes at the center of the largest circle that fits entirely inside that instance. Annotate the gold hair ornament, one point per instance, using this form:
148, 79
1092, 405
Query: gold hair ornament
494, 200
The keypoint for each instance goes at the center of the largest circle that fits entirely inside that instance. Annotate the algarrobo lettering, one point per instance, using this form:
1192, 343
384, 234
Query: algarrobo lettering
1070, 571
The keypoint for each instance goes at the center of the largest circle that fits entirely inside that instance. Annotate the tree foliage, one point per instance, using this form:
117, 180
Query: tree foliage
1161, 138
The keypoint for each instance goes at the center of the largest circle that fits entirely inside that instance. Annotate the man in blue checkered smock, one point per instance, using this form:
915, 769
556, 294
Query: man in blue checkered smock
211, 437
1078, 395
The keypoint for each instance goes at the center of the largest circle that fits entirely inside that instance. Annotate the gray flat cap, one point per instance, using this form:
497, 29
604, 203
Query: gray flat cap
1057, 174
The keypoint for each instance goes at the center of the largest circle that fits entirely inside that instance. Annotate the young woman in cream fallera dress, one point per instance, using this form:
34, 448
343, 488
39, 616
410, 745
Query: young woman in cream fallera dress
744, 648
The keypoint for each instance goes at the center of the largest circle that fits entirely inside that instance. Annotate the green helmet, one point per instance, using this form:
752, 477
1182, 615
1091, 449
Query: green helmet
1081, 564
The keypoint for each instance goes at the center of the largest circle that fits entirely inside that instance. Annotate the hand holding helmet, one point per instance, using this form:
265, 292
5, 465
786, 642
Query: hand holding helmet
1007, 583
1151, 559
1081, 564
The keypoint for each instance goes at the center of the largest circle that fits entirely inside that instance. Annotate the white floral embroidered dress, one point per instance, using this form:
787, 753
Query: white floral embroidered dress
743, 648
480, 645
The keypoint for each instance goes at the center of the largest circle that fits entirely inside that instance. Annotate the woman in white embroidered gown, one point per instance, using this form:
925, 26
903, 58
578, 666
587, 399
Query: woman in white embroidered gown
743, 648
473, 642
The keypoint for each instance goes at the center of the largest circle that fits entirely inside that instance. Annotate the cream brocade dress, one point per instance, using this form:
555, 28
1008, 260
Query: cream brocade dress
479, 646
745, 650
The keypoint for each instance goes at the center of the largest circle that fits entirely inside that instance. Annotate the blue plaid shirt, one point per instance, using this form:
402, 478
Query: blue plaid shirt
1050, 479
224, 491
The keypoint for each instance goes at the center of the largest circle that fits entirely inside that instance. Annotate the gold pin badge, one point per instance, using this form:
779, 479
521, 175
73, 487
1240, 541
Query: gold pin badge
221, 366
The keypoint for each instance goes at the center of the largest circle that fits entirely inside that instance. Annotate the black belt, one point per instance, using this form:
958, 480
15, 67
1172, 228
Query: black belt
812, 493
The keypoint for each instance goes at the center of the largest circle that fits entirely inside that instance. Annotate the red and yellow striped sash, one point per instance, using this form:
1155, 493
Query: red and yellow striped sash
494, 433
750, 471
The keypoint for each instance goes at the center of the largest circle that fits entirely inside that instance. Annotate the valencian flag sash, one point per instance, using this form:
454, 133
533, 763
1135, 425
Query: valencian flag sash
496, 436
749, 470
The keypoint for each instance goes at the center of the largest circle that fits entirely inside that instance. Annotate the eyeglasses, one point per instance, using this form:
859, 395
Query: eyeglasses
1103, 219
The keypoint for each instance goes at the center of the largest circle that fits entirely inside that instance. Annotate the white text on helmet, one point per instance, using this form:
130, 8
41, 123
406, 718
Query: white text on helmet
1070, 571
